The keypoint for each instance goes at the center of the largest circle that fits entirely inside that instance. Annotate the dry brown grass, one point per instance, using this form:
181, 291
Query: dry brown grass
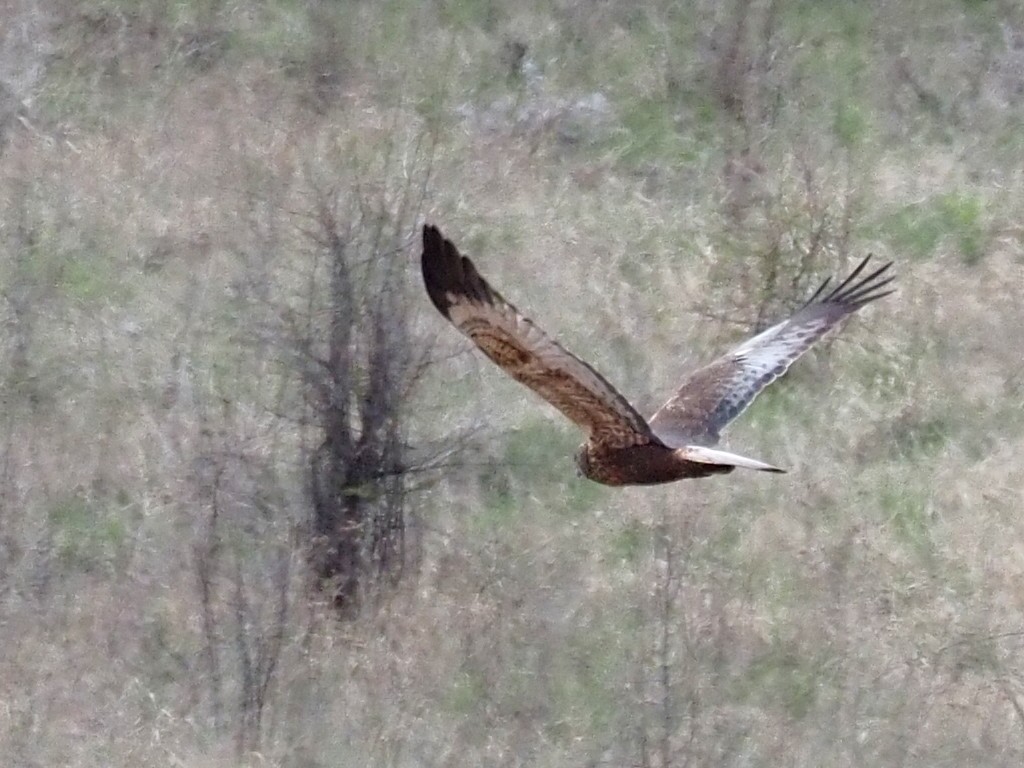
863, 610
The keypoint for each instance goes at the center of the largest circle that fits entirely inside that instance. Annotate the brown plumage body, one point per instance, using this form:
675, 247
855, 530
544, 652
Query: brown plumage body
622, 448
648, 464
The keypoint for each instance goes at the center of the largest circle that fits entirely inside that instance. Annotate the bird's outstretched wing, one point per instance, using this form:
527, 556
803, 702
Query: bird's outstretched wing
718, 393
523, 350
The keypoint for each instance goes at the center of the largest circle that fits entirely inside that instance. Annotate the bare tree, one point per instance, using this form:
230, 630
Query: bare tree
361, 361
242, 565
300, 452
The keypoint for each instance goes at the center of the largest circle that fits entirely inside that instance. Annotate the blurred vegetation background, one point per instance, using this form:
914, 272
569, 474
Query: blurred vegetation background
259, 505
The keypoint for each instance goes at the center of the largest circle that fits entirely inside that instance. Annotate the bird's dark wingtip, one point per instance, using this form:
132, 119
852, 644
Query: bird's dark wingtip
441, 266
450, 276
855, 293
431, 236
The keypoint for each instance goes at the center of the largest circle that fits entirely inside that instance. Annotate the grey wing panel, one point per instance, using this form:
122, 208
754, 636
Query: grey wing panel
718, 393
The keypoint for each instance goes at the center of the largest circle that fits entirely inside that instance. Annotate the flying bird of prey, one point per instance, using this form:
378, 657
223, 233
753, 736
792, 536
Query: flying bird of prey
622, 448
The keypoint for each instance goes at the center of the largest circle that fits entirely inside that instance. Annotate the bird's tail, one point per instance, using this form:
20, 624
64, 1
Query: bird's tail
703, 455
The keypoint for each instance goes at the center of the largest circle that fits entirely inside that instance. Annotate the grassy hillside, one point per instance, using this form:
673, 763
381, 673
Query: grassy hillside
648, 184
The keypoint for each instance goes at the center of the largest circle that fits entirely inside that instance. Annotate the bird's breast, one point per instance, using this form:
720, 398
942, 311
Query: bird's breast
649, 464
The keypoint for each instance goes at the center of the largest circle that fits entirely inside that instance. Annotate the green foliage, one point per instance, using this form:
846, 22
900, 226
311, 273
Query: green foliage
582, 495
921, 227
162, 641
914, 229
649, 134
783, 405
784, 676
466, 693
89, 277
499, 504
637, 272
978, 5
585, 679
833, 58
463, 14
591, 58
282, 32
830, 22
433, 108
976, 654
851, 124
909, 516
537, 468
87, 537
924, 436
629, 543
539, 450
963, 212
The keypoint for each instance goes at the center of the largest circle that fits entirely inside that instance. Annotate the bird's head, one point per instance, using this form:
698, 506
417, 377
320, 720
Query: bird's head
582, 461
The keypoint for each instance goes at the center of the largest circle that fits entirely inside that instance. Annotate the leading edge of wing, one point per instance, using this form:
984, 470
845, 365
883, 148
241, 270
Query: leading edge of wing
719, 392
517, 345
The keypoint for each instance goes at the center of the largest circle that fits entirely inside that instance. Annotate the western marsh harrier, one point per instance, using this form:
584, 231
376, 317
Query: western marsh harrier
622, 448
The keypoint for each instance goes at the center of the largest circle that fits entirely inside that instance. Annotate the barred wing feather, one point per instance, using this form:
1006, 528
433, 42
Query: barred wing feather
523, 350
718, 393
